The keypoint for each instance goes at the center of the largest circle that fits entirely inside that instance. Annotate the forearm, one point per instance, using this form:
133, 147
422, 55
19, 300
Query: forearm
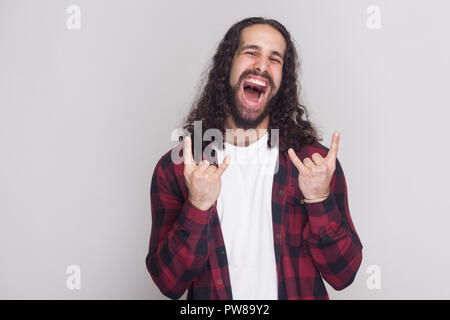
178, 254
334, 246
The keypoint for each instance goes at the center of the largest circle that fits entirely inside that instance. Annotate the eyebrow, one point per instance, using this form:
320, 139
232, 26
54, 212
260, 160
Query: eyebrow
255, 47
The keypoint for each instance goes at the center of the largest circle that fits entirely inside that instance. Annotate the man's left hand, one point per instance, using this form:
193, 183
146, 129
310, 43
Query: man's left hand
315, 175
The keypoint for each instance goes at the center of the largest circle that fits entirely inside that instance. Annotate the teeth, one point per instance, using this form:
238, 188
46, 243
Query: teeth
258, 82
260, 97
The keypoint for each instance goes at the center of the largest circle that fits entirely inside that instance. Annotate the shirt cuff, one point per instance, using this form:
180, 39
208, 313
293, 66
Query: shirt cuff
322, 214
192, 219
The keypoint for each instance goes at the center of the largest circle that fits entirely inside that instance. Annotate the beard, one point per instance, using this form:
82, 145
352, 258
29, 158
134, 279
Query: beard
244, 117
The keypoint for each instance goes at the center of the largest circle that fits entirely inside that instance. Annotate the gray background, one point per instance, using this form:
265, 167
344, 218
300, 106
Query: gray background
85, 114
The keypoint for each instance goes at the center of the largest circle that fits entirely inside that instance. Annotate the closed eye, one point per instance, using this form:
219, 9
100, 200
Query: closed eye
254, 54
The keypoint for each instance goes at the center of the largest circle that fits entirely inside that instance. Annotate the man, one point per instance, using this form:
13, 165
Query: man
234, 230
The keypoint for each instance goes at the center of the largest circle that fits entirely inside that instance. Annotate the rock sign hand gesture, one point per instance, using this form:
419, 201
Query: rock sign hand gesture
203, 180
315, 175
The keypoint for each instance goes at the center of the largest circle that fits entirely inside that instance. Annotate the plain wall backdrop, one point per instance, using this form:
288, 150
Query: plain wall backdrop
86, 113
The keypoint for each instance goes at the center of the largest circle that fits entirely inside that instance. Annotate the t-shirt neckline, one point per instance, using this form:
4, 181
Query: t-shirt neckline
254, 145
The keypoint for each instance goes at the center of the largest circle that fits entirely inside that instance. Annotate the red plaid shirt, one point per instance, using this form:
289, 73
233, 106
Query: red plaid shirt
311, 240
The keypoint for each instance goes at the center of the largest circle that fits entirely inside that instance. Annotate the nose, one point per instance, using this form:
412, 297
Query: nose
261, 64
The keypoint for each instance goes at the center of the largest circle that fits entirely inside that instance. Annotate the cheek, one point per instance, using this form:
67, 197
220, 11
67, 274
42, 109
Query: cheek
235, 72
239, 66
277, 77
233, 77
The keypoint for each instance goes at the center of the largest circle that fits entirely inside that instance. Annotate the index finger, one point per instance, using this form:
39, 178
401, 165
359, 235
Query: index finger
296, 161
223, 166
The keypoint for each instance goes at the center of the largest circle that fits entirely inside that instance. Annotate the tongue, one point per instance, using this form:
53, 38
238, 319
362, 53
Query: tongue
251, 95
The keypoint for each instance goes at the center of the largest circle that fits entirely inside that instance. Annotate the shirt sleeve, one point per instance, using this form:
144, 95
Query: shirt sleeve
331, 236
178, 249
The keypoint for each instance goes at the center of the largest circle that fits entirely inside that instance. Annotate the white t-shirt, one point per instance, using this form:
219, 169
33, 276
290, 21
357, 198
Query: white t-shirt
244, 207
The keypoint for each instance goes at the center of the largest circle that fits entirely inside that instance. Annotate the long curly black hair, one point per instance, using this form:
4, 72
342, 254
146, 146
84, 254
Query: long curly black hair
211, 107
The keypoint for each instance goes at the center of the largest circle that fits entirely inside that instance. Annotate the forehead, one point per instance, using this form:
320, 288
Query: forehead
263, 35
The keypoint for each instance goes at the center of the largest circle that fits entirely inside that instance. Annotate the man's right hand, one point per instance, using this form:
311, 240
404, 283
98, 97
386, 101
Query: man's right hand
203, 180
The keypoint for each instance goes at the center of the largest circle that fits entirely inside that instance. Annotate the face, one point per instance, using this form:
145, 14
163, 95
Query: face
256, 74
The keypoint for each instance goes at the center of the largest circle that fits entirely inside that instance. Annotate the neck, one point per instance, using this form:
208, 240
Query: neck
241, 137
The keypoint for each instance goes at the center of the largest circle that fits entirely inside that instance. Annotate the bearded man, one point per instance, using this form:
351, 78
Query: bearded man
273, 228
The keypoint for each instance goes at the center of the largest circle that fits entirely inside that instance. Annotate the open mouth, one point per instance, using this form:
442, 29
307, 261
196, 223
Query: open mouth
254, 91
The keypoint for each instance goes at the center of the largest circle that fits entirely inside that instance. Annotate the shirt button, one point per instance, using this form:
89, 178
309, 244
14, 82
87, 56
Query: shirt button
302, 201
278, 236
219, 282
281, 192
